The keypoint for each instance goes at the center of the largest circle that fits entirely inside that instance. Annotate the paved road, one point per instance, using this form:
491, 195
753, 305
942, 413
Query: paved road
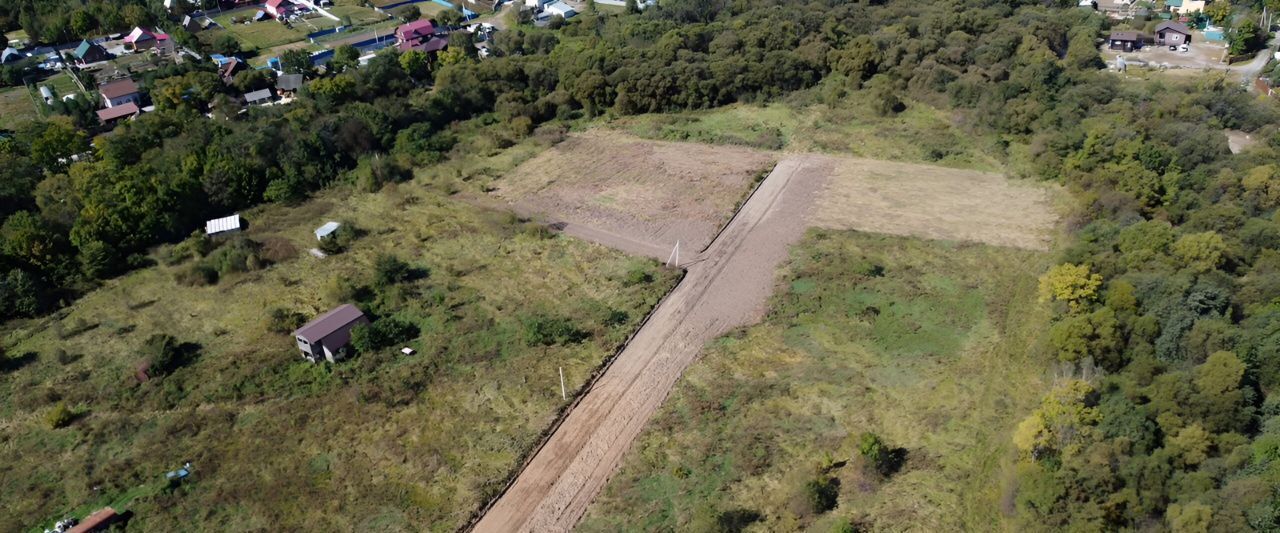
726, 287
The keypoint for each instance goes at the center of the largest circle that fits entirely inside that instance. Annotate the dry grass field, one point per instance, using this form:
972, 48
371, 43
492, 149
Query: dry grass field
650, 191
382, 442
936, 203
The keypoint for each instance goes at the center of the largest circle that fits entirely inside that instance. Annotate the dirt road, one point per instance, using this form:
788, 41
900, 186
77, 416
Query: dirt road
726, 287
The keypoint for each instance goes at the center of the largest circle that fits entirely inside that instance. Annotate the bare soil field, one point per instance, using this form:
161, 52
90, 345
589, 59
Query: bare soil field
936, 203
652, 192
727, 285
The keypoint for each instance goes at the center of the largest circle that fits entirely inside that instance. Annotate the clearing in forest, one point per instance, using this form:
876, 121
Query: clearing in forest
728, 285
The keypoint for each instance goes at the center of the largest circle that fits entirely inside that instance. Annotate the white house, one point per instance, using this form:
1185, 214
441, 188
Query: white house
119, 92
326, 230
279, 8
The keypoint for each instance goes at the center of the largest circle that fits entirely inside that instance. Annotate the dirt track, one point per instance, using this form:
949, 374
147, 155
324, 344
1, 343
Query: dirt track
726, 287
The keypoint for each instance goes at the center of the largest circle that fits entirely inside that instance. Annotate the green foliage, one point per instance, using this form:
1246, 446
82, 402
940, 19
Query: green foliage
543, 330
382, 333
820, 495
60, 416
284, 321
1073, 284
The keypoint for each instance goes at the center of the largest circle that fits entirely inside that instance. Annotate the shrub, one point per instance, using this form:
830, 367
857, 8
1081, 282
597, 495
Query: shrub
163, 354
381, 334
547, 331
637, 275
820, 495
390, 270
735, 520
197, 275
60, 416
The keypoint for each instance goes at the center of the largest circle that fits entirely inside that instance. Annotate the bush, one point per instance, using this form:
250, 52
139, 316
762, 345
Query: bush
390, 270
547, 331
637, 275
820, 495
382, 333
197, 275
60, 416
163, 354
735, 520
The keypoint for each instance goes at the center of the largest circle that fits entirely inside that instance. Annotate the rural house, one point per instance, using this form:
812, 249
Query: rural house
1127, 41
11, 54
98, 521
140, 39
560, 9
258, 97
224, 225
415, 31
88, 53
327, 336
124, 111
230, 68
280, 8
289, 84
1172, 34
1185, 7
120, 92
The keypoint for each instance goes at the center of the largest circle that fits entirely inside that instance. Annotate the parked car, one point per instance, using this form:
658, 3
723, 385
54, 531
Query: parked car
1173, 48
1183, 48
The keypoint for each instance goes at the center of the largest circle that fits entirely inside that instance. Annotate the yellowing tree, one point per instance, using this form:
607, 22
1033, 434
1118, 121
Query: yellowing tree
1200, 252
1063, 422
1073, 284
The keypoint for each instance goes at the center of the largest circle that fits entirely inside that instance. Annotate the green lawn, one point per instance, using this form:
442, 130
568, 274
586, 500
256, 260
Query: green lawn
263, 34
382, 442
359, 15
924, 343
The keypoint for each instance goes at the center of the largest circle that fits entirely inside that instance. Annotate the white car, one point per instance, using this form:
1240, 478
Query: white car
1183, 48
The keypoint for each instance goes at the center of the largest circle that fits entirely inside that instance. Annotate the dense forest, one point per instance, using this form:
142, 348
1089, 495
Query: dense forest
1167, 333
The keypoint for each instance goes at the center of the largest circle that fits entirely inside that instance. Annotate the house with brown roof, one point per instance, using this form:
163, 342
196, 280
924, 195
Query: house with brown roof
1127, 41
327, 336
119, 92
124, 111
230, 68
1172, 34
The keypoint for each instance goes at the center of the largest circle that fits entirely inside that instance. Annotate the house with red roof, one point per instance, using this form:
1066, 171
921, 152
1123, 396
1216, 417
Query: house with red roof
415, 31
143, 39
279, 8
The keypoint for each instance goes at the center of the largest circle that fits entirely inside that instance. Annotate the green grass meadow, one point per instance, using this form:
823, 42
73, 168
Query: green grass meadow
262, 34
924, 343
381, 442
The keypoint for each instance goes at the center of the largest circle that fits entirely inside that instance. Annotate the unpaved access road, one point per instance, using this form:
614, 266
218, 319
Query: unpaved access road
726, 286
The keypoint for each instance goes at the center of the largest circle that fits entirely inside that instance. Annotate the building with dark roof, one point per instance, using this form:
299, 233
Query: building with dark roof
89, 52
1127, 41
98, 521
123, 111
327, 336
1172, 34
119, 92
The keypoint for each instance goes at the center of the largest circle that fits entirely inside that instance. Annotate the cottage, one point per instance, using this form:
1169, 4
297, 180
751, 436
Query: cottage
1127, 41
327, 230
289, 84
258, 97
1185, 7
327, 336
1172, 34
430, 45
98, 521
280, 8
415, 31
120, 92
124, 111
560, 9
224, 225
88, 53
140, 39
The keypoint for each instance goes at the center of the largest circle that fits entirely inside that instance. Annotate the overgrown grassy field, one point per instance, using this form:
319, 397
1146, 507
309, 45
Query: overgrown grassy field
16, 107
804, 122
924, 343
382, 442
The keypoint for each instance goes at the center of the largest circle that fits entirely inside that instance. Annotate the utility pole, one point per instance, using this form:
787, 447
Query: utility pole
563, 395
675, 255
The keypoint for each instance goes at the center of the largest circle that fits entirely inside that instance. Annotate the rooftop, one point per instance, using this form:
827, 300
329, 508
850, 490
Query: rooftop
112, 113
258, 95
219, 225
118, 88
328, 323
95, 521
1175, 26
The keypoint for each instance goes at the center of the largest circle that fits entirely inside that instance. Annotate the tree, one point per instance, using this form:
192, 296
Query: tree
416, 64
382, 333
59, 140
1200, 252
632, 7
390, 270
162, 353
1219, 12
296, 62
1073, 284
346, 57
1245, 37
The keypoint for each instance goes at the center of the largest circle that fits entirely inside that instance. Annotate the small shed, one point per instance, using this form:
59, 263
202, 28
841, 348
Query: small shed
327, 230
1127, 41
224, 225
127, 110
258, 97
289, 83
327, 336
47, 94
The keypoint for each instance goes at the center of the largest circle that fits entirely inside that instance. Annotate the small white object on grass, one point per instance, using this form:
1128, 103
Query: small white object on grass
407, 351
